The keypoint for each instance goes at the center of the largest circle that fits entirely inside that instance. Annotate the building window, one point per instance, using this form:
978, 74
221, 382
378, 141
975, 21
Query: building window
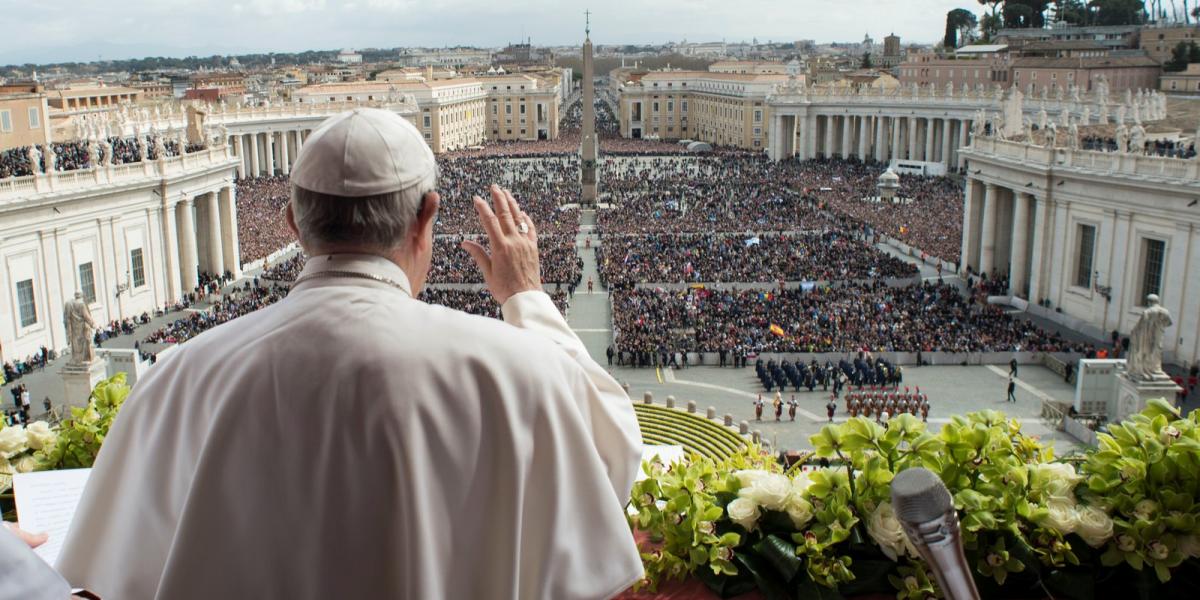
758, 116
5, 121
87, 282
655, 107
684, 106
670, 107
1087, 247
1154, 251
35, 117
25, 303
138, 267
508, 109
427, 121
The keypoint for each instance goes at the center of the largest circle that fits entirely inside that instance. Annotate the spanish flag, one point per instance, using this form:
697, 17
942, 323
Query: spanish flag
777, 330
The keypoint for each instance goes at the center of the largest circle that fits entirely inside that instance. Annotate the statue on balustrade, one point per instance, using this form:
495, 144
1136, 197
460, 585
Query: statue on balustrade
1137, 112
1137, 139
1122, 135
1051, 135
1122, 110
949, 89
978, 125
1074, 93
1042, 119
1029, 131
106, 157
35, 159
160, 148
1073, 135
1102, 89
1086, 119
998, 127
93, 153
51, 158
77, 319
1144, 361
181, 141
223, 135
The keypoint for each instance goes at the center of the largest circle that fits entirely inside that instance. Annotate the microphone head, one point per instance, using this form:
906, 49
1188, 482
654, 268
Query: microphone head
919, 496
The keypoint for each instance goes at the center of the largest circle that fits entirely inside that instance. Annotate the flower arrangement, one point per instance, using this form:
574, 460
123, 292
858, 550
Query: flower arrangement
71, 444
1118, 521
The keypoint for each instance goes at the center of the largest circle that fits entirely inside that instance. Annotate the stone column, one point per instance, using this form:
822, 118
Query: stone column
241, 152
1041, 228
775, 147
930, 134
283, 152
847, 135
255, 171
299, 141
216, 259
987, 230
171, 249
1018, 272
878, 153
970, 237
964, 131
864, 130
947, 126
827, 151
894, 150
229, 249
269, 151
911, 154
188, 262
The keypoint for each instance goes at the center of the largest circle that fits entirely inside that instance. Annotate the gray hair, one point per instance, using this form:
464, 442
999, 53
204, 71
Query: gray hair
378, 221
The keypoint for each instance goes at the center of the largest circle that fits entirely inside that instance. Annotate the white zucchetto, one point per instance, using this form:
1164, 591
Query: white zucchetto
363, 152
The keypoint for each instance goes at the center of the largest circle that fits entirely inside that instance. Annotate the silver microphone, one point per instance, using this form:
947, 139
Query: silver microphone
926, 511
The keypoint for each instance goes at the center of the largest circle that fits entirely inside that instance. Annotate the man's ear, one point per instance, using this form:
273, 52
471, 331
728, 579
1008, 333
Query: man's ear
427, 215
290, 217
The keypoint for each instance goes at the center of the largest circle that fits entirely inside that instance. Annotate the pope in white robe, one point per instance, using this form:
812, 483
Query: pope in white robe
351, 441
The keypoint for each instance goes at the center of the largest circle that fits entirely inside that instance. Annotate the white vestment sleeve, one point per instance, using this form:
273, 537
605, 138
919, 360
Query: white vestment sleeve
615, 431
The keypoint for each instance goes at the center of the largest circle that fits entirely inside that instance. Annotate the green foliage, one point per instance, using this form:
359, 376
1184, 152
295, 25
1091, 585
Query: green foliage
80, 436
1029, 522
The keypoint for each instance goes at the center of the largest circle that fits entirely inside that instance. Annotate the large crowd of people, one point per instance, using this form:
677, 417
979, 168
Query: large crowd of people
742, 191
262, 229
832, 255
841, 318
74, 155
243, 300
559, 260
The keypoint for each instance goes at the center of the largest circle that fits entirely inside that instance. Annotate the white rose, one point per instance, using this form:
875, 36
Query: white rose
40, 435
744, 512
800, 511
1054, 479
24, 464
1093, 525
749, 477
1061, 517
885, 529
12, 440
800, 483
771, 491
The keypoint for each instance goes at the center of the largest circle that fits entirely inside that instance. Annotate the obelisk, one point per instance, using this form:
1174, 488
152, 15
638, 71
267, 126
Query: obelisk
588, 141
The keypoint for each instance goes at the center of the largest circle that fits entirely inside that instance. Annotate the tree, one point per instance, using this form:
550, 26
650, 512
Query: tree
1074, 12
1117, 12
866, 60
990, 23
1179, 58
957, 19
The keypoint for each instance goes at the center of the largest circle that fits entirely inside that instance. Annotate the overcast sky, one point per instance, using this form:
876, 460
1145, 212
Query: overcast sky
42, 31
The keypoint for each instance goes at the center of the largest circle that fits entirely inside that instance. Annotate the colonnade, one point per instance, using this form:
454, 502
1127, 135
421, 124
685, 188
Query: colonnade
269, 152
1004, 235
875, 137
200, 235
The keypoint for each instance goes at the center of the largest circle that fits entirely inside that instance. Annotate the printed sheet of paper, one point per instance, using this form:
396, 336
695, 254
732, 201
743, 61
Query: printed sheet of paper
46, 502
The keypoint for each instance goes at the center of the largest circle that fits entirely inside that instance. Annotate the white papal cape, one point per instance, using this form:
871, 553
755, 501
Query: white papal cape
352, 442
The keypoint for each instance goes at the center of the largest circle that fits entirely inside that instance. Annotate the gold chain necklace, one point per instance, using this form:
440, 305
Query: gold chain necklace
350, 275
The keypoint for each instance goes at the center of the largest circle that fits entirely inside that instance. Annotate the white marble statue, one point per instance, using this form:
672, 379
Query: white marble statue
106, 157
1122, 111
93, 153
143, 150
51, 158
1051, 134
1043, 118
1086, 118
1074, 93
181, 142
1073, 136
77, 319
1029, 131
1137, 139
35, 159
1102, 89
160, 148
1128, 97
1122, 135
1144, 362
1137, 112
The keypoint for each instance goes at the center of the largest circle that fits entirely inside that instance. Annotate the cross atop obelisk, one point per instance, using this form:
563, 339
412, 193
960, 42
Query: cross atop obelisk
588, 149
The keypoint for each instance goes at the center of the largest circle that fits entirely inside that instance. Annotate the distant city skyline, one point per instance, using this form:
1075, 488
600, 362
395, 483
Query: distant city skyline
89, 30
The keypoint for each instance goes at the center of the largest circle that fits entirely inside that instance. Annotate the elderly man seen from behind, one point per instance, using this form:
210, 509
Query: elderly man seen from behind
351, 441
